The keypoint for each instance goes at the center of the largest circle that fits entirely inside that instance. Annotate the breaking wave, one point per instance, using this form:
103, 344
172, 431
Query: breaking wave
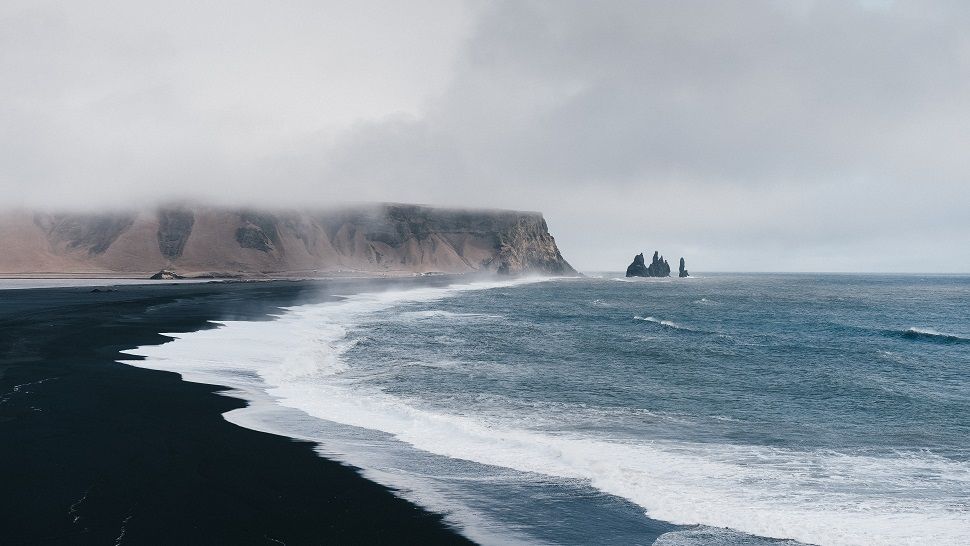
929, 334
664, 322
300, 360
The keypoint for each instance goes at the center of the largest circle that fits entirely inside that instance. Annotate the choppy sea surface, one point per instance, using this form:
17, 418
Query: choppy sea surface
719, 409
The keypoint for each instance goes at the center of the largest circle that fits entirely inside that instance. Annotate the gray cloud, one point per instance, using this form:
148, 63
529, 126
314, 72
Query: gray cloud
810, 135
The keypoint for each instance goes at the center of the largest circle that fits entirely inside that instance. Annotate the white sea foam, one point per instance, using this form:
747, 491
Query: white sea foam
664, 322
714, 536
933, 333
819, 497
449, 315
644, 279
894, 357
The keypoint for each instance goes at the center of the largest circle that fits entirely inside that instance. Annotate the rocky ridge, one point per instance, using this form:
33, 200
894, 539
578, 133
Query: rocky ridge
197, 241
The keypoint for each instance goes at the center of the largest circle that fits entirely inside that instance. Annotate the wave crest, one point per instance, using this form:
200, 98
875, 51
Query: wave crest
930, 334
664, 322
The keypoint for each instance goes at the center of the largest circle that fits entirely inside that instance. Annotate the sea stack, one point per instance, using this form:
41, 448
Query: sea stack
683, 269
637, 268
658, 267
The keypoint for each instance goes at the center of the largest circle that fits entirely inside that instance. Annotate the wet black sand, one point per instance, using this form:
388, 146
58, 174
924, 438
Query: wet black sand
96, 452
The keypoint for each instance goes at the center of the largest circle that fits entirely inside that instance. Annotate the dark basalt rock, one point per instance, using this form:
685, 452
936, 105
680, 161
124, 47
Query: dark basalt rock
252, 237
174, 228
683, 269
658, 267
637, 268
91, 232
259, 231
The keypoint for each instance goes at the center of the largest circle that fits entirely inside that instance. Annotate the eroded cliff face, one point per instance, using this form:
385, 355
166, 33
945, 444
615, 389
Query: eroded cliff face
527, 246
385, 239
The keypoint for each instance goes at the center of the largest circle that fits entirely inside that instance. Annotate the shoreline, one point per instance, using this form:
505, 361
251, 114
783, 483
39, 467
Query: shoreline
96, 450
243, 276
60, 280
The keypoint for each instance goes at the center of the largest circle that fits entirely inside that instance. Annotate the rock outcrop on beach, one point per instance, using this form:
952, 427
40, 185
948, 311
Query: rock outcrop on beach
683, 269
167, 275
199, 241
658, 267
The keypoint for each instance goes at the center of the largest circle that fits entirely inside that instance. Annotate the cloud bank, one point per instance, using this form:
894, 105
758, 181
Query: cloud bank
747, 135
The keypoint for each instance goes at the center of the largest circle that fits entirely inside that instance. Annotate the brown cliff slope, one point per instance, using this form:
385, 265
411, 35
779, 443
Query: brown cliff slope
195, 240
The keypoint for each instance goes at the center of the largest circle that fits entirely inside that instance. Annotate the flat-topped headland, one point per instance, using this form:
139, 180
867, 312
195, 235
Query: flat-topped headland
205, 241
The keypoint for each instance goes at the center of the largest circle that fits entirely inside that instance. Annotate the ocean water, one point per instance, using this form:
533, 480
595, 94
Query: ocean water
719, 409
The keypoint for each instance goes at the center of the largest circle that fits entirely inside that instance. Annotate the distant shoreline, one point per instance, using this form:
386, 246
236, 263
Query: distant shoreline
145, 275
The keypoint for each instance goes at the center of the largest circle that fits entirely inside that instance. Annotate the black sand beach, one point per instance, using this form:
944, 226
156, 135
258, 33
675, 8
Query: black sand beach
97, 452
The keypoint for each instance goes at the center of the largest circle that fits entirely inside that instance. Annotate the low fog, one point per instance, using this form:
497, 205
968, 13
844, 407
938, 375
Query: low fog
750, 136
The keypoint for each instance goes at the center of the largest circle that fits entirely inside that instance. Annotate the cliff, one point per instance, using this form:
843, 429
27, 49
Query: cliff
382, 239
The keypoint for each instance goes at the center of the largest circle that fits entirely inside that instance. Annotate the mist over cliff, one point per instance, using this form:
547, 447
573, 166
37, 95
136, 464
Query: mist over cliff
204, 240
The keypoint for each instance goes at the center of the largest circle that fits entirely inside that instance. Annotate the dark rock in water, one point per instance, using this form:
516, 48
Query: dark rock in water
637, 268
166, 275
658, 267
683, 269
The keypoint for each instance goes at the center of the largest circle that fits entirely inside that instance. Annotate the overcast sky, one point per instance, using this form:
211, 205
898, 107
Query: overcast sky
751, 135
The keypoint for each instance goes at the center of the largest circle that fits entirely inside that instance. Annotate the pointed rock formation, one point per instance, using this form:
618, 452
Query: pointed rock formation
658, 267
637, 268
683, 269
